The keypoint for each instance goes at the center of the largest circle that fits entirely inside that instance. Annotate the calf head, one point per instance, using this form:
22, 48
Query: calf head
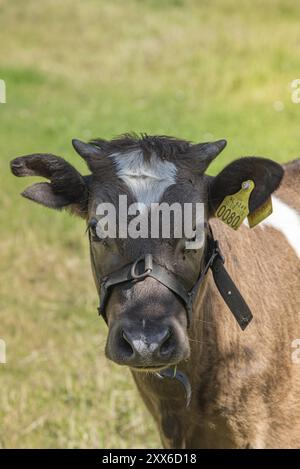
147, 321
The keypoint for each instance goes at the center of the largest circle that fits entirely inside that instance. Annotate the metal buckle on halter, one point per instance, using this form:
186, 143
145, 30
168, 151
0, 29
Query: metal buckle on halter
148, 266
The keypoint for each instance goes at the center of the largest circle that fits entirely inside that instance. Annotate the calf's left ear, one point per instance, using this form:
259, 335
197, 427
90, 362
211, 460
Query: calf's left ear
265, 173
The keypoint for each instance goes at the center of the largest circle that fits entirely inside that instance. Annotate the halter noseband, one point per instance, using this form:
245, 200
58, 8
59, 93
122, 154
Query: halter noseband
145, 266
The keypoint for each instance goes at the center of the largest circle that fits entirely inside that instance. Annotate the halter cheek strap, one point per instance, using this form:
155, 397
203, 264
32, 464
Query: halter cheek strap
145, 266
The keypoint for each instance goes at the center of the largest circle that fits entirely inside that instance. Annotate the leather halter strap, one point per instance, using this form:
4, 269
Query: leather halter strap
145, 266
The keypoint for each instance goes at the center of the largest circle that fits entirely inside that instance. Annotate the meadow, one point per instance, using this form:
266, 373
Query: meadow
199, 70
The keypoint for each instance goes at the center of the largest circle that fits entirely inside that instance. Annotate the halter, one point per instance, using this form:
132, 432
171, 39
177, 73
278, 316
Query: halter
145, 266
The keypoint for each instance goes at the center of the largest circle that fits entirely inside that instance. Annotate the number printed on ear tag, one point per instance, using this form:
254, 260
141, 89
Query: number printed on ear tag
234, 208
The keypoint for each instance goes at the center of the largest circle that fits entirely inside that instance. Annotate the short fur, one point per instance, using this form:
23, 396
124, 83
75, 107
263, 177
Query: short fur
245, 385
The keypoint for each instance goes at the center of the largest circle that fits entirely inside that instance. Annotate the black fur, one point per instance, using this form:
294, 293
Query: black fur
66, 186
265, 173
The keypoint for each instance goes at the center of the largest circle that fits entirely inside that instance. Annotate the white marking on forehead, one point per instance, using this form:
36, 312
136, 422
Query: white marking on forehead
286, 220
147, 180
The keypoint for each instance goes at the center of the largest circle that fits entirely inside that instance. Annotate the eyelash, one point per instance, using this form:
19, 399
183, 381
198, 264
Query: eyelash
94, 237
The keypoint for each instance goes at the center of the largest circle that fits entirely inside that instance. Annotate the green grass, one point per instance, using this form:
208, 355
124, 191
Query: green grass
198, 70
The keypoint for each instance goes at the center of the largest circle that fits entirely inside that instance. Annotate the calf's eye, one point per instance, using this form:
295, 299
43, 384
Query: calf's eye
92, 226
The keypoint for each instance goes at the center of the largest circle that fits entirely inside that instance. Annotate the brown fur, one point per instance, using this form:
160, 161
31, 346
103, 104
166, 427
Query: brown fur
245, 385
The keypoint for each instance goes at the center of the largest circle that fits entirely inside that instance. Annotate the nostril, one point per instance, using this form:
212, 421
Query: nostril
166, 346
125, 345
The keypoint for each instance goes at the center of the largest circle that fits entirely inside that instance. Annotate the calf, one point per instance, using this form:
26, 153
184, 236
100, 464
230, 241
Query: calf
163, 308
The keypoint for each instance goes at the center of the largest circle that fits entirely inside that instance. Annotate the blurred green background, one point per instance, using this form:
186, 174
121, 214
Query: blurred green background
200, 70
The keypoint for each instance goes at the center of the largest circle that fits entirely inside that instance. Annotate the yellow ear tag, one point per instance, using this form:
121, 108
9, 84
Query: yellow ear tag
235, 208
260, 213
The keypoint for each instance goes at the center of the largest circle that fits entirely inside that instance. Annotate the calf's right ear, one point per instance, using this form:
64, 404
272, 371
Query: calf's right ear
67, 187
